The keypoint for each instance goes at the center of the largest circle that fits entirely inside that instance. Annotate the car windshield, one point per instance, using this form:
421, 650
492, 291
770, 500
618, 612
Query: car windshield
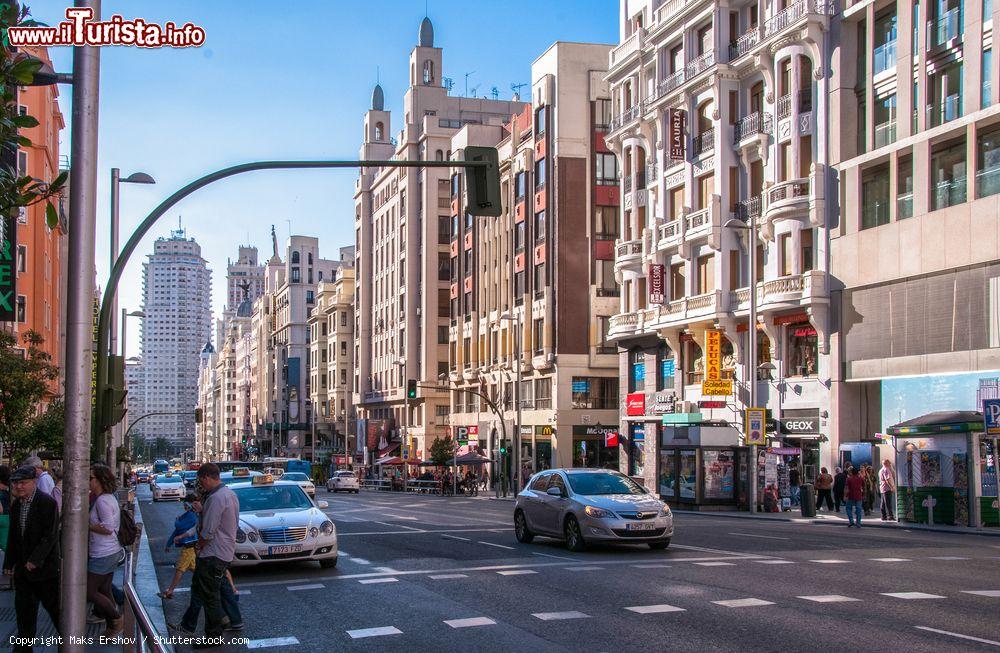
272, 497
295, 476
603, 483
164, 480
345, 474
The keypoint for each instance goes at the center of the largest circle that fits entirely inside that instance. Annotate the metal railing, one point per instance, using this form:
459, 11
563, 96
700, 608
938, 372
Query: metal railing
791, 14
670, 82
700, 64
949, 193
988, 182
627, 184
944, 28
745, 43
704, 142
748, 209
884, 57
749, 126
784, 106
630, 115
885, 134
139, 625
948, 110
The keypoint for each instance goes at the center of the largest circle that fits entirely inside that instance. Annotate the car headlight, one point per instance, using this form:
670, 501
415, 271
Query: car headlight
252, 536
241, 536
599, 513
327, 527
664, 510
313, 532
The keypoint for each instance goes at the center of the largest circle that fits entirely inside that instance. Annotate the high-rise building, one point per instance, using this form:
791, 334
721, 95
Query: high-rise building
721, 116
244, 281
176, 285
537, 281
40, 299
402, 218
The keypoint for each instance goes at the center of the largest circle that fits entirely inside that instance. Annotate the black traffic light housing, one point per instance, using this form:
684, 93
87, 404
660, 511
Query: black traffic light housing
411, 388
113, 410
482, 183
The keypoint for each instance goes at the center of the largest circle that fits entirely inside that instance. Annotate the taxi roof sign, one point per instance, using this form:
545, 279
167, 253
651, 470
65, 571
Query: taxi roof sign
241, 471
263, 479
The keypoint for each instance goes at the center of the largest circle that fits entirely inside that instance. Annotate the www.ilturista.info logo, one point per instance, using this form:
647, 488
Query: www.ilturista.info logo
81, 29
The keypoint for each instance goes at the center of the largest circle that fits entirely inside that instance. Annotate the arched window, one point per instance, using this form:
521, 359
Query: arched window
309, 258
428, 72
439, 155
295, 257
379, 130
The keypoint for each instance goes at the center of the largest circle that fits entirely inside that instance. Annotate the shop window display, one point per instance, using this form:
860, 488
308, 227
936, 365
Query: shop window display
803, 350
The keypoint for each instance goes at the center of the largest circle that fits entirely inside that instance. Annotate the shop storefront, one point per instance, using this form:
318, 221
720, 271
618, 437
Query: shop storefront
536, 446
595, 446
800, 429
701, 466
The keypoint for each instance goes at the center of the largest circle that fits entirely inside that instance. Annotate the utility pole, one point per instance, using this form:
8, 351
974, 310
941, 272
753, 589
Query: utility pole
79, 339
517, 408
752, 356
116, 429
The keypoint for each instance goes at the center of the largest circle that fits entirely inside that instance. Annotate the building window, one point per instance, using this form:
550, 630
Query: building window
444, 230
539, 279
706, 274
22, 258
603, 326
987, 72
677, 281
606, 222
595, 393
885, 120
785, 255
988, 163
884, 56
296, 275
295, 257
806, 250
637, 370
607, 285
520, 184
539, 173
606, 166
540, 121
539, 226
945, 95
666, 367
538, 335
519, 286
875, 197
456, 185
602, 113
803, 350
948, 175
519, 236
904, 188
543, 394
20, 310
428, 72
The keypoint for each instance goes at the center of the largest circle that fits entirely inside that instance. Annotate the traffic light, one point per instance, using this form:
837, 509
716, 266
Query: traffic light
199, 416
411, 388
482, 184
503, 448
114, 394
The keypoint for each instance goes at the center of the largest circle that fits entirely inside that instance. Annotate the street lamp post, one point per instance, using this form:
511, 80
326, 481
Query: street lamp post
112, 452
506, 316
751, 367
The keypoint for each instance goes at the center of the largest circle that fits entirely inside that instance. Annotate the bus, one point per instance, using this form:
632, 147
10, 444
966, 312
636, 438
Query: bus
290, 465
229, 465
161, 466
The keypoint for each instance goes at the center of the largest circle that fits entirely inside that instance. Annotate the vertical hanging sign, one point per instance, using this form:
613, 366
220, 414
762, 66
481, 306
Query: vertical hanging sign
713, 355
675, 125
8, 274
656, 273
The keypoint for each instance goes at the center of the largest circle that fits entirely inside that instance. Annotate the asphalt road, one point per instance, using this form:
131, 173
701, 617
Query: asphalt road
421, 573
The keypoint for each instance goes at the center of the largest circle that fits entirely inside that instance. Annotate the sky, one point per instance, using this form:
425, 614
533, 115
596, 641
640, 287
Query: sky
909, 397
282, 81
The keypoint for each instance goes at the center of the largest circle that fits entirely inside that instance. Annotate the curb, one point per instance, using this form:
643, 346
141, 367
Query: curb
146, 583
843, 522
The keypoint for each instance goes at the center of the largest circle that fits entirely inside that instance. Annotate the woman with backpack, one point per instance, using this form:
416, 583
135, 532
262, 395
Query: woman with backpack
105, 549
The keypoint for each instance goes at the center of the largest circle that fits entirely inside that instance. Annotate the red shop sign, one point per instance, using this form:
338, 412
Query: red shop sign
635, 403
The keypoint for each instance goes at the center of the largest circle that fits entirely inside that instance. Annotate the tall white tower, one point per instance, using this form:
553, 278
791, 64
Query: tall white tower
177, 287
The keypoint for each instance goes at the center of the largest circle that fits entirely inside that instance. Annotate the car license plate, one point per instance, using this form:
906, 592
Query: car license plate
640, 526
288, 548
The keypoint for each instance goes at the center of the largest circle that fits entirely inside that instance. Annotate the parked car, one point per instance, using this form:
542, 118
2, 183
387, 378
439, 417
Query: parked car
343, 481
591, 505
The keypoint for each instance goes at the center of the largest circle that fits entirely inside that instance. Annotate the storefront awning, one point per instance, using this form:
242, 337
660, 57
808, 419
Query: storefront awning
942, 421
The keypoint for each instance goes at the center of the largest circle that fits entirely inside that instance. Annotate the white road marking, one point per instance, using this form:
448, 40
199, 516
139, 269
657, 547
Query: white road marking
828, 598
959, 635
775, 562
409, 528
499, 546
360, 561
948, 557
455, 537
912, 595
715, 564
516, 572
455, 530
374, 632
472, 621
764, 537
313, 586
272, 641
891, 559
743, 603
588, 568
655, 609
657, 565
373, 581
447, 576
557, 616
990, 593
385, 570
549, 555
243, 592
739, 554
831, 562
397, 517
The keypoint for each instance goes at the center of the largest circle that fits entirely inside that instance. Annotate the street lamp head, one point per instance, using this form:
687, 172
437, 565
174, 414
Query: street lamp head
506, 315
766, 366
733, 223
138, 178
137, 314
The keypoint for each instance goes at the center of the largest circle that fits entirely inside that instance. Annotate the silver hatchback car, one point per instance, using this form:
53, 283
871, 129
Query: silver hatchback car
591, 505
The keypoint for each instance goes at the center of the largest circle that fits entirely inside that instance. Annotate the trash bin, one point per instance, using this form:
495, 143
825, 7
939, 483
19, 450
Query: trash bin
807, 499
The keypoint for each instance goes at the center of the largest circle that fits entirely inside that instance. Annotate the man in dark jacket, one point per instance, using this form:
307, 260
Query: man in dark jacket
32, 556
839, 480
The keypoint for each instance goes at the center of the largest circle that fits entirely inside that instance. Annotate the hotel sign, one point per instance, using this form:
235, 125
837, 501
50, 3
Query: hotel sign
675, 136
656, 274
8, 276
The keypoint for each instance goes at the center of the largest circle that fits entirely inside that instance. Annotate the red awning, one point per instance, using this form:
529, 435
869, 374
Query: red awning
388, 450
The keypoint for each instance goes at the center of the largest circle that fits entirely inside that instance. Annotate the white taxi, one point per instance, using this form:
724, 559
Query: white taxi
303, 482
168, 486
278, 523
343, 481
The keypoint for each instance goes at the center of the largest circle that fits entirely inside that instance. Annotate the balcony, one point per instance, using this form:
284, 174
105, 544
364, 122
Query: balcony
784, 106
703, 143
689, 308
941, 30
669, 83
948, 110
744, 44
669, 233
630, 46
885, 134
988, 182
786, 197
669, 9
884, 57
623, 324
627, 184
749, 126
652, 173
948, 193
628, 254
791, 15
700, 64
701, 222
748, 209
631, 115
794, 289
904, 206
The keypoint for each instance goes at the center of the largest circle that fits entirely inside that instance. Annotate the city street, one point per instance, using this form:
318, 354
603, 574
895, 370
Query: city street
427, 573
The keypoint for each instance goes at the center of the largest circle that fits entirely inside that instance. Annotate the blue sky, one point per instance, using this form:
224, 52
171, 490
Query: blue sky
909, 397
283, 81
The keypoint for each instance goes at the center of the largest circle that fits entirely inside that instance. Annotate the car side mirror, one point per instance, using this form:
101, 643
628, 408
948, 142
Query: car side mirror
322, 505
554, 492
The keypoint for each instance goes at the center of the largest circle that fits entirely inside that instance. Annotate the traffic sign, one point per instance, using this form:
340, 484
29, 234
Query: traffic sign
717, 387
756, 428
991, 415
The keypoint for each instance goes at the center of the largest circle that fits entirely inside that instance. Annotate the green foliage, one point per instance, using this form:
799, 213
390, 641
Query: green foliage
45, 432
18, 69
27, 374
442, 451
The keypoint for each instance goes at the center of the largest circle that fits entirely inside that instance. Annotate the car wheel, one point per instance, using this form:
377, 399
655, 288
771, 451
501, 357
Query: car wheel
521, 530
574, 538
328, 563
659, 546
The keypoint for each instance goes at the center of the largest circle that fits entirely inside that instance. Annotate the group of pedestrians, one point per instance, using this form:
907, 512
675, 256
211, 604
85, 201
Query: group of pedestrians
856, 489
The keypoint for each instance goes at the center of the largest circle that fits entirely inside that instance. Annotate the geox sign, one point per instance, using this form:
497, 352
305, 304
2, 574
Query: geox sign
800, 425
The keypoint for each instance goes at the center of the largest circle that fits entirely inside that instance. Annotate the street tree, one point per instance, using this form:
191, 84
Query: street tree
442, 451
27, 372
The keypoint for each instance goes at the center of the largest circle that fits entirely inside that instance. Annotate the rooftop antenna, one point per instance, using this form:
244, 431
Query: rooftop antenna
474, 89
516, 88
378, 75
467, 82
495, 93
449, 83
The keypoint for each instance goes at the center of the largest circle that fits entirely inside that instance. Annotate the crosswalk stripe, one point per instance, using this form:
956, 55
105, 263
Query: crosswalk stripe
912, 595
989, 593
654, 609
472, 621
715, 564
653, 566
447, 576
557, 616
589, 568
891, 559
516, 572
374, 632
743, 603
373, 581
775, 562
831, 562
828, 598
313, 586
